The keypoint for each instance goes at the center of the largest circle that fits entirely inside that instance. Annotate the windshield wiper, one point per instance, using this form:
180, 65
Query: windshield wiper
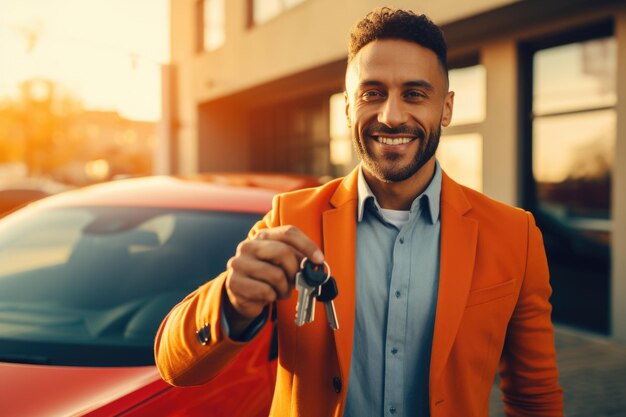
27, 359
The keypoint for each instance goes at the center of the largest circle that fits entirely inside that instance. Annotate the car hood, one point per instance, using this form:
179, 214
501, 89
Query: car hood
37, 390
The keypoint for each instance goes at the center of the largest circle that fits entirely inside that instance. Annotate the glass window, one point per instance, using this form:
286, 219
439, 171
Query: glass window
575, 76
460, 150
213, 30
48, 241
573, 145
573, 134
89, 285
341, 152
572, 163
469, 85
264, 10
462, 158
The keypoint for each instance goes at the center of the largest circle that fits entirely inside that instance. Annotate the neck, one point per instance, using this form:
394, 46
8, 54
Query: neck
400, 195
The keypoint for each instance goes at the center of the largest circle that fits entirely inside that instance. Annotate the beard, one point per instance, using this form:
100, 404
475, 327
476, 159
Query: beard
390, 172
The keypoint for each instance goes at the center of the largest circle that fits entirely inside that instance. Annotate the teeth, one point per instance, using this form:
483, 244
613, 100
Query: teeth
393, 141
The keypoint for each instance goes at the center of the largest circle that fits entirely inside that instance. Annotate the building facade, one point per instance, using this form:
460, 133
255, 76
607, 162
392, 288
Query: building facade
539, 119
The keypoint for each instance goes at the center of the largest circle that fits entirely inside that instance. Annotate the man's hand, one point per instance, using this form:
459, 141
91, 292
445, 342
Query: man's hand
262, 271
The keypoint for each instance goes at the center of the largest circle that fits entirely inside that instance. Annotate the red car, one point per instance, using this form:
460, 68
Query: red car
16, 192
86, 277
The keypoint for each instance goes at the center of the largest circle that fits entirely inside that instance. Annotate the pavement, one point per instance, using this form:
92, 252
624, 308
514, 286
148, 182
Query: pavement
592, 373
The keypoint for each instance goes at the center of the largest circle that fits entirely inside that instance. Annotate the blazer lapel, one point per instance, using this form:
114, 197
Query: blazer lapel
339, 241
459, 236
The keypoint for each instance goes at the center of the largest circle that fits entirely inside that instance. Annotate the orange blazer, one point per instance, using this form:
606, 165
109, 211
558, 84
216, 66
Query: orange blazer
492, 310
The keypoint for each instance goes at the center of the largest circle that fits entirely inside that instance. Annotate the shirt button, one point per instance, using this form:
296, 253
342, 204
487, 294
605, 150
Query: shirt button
401, 240
394, 351
392, 409
398, 294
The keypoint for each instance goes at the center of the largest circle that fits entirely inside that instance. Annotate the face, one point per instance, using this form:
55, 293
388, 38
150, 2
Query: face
397, 99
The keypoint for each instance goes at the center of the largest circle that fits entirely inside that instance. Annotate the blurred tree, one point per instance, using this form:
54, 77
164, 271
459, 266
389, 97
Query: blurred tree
34, 127
11, 140
47, 129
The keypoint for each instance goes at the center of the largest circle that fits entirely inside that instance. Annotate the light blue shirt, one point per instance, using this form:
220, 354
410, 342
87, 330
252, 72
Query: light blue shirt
397, 276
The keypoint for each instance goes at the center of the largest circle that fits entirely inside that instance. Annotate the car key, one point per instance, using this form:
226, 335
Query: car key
314, 276
327, 294
308, 283
304, 298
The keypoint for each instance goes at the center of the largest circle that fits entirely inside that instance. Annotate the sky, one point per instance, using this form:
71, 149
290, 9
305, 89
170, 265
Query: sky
106, 53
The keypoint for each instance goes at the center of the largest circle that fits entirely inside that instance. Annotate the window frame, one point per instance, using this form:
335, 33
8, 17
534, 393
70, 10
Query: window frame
526, 52
597, 316
200, 44
250, 22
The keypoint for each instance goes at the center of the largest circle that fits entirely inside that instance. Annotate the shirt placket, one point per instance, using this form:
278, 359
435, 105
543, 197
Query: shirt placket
395, 343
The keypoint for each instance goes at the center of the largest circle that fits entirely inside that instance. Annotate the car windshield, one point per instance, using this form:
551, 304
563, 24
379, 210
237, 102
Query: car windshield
89, 286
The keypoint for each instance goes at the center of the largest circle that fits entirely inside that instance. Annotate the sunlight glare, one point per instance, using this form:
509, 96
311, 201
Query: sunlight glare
107, 53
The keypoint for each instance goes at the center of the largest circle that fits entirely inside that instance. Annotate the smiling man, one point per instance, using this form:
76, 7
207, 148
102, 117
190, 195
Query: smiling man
397, 99
438, 284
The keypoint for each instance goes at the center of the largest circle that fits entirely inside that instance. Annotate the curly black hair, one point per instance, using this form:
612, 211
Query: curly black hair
387, 23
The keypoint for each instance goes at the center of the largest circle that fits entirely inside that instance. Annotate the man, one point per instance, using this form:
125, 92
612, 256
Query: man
437, 282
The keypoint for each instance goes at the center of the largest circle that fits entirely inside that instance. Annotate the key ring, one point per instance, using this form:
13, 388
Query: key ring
325, 264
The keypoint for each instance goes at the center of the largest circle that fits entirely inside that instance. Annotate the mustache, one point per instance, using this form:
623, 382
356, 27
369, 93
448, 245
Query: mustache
376, 127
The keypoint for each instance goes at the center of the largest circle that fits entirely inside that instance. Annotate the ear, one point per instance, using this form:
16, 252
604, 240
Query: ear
448, 104
347, 108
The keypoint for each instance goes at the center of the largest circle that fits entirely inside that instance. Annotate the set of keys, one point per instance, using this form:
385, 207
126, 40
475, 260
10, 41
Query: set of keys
314, 283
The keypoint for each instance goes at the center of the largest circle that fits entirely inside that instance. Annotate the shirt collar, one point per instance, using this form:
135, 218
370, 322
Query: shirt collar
432, 195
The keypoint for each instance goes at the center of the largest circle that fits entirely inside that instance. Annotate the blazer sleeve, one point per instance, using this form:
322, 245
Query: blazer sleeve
529, 376
183, 358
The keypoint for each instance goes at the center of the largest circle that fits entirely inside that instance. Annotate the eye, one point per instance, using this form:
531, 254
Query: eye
414, 94
372, 95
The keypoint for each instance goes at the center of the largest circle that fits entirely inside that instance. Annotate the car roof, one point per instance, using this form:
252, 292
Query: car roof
251, 193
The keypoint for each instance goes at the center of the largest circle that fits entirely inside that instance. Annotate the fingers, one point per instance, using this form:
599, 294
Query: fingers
271, 253
248, 296
251, 284
247, 268
245, 300
264, 268
295, 238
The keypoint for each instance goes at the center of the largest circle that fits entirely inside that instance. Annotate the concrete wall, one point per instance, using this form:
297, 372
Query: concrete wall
262, 53
500, 143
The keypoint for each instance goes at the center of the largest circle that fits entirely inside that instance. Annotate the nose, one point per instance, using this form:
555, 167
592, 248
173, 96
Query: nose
392, 114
